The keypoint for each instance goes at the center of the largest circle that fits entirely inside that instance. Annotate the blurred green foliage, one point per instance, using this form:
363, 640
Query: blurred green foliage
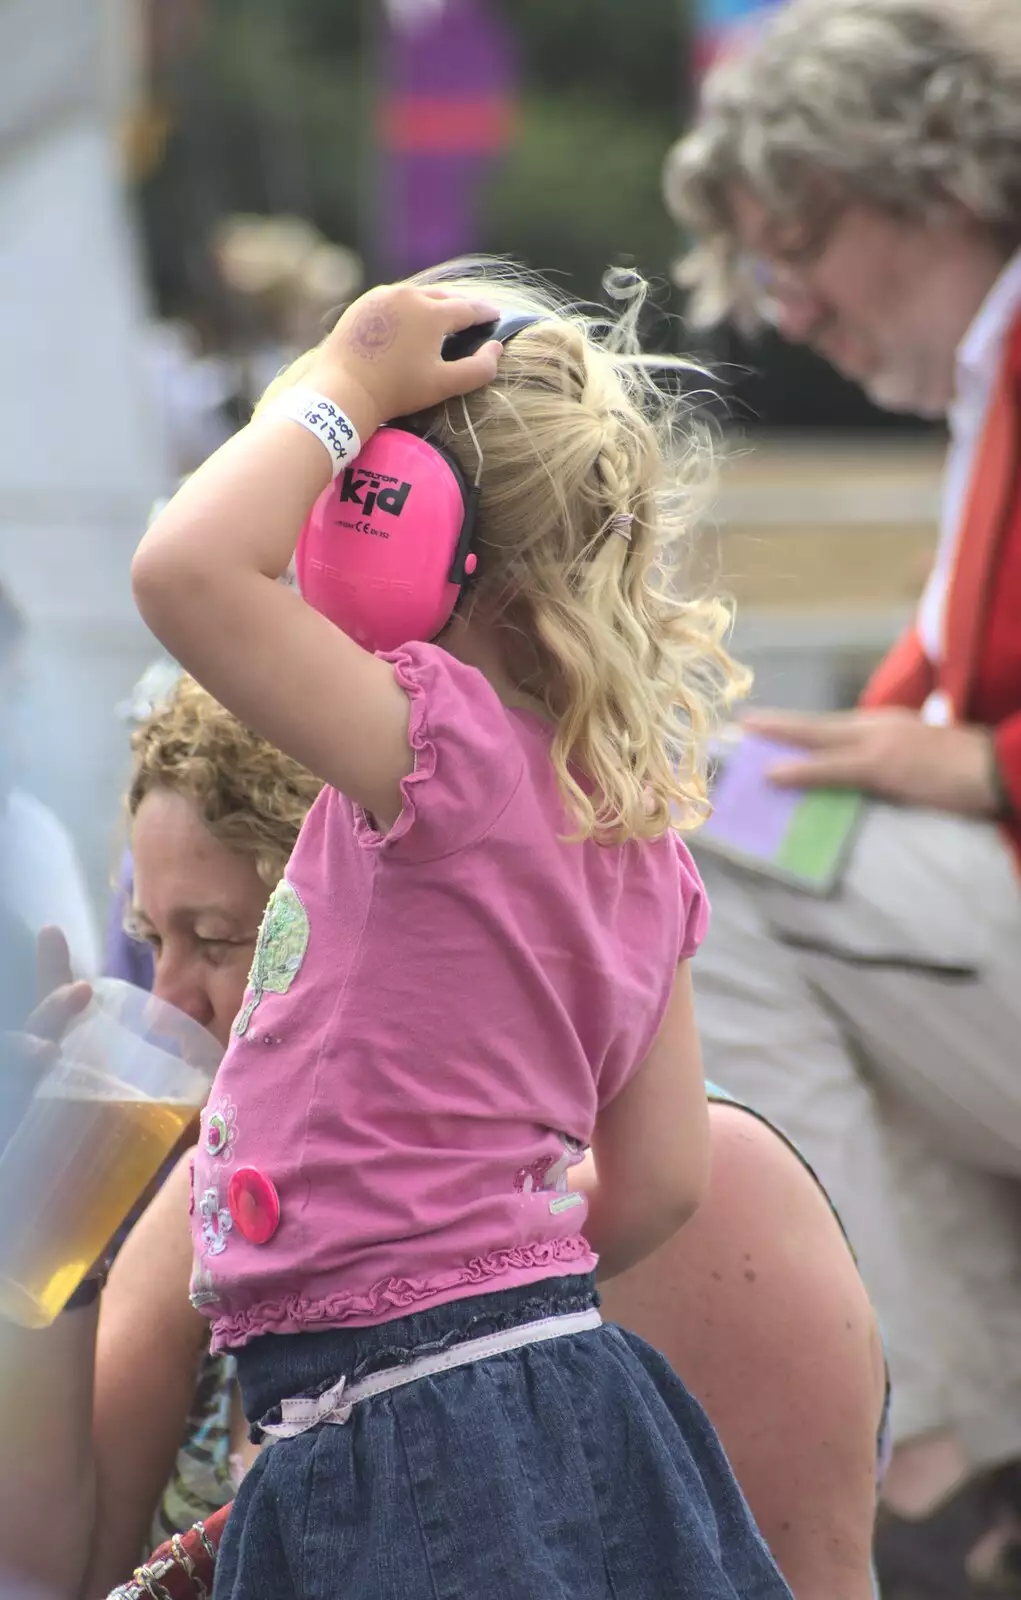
274, 113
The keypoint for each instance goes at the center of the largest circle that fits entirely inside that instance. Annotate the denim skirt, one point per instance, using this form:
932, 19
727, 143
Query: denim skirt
574, 1469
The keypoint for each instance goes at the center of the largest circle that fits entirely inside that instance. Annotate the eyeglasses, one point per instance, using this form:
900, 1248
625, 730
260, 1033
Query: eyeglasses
770, 287
777, 285
779, 295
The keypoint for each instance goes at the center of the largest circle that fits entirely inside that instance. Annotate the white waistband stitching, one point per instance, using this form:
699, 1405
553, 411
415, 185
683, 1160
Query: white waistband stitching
336, 1404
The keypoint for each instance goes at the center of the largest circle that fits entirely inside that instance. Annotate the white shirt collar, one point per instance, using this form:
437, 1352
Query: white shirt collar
987, 334
978, 362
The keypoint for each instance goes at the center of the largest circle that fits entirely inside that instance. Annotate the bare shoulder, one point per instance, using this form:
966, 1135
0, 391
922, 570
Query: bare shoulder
769, 1181
777, 1229
759, 1306
766, 1254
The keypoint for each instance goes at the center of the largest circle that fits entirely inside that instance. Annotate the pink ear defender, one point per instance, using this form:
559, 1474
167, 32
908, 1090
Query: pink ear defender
387, 548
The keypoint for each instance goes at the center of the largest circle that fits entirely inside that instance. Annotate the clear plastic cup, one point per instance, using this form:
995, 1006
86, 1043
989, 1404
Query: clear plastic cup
132, 1075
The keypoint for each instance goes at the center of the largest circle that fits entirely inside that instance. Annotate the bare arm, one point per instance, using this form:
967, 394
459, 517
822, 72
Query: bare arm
94, 1411
149, 1346
47, 1490
758, 1305
47, 1486
94, 1407
650, 1148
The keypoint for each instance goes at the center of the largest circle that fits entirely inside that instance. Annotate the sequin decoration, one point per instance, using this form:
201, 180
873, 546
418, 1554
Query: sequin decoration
201, 1292
221, 1128
216, 1222
283, 940
550, 1172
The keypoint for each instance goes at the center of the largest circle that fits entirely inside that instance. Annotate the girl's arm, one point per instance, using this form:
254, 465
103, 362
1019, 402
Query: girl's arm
649, 1168
204, 574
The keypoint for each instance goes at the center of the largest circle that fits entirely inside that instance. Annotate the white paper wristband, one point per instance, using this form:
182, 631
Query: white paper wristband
335, 431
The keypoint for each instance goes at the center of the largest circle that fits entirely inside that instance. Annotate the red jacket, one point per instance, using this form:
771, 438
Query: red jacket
980, 673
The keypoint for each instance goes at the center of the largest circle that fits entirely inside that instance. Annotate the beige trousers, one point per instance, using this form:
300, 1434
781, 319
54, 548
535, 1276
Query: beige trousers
881, 1029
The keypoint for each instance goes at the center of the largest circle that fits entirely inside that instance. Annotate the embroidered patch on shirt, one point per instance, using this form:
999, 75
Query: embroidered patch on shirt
550, 1172
220, 1128
216, 1222
201, 1292
279, 952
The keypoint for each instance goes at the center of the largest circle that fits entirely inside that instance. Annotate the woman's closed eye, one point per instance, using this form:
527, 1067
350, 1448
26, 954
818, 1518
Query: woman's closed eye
215, 949
218, 951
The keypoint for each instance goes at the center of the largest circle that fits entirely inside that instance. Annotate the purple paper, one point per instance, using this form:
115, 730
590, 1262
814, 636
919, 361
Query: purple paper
750, 814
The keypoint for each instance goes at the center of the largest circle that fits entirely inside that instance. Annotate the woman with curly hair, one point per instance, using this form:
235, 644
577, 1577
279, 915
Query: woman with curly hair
151, 1418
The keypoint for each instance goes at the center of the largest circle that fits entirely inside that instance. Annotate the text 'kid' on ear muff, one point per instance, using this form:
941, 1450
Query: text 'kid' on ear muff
387, 547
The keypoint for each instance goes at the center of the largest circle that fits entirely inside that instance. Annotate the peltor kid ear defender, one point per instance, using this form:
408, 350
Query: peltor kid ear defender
387, 548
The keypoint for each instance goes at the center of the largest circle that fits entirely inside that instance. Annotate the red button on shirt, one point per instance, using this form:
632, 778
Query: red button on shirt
254, 1204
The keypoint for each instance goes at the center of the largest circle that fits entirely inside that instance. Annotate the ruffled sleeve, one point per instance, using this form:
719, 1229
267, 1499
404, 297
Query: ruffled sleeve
694, 903
468, 759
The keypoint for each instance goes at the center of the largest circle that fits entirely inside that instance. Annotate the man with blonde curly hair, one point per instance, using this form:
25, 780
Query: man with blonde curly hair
854, 178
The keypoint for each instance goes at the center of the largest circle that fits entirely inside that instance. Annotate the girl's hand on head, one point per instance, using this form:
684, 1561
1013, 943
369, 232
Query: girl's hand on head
384, 358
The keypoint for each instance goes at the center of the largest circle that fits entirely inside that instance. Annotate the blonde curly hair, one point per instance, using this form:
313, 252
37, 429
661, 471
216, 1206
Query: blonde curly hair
250, 796
913, 106
575, 434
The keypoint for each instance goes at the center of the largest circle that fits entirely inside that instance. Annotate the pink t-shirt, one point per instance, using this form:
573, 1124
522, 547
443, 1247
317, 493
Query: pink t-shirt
433, 1020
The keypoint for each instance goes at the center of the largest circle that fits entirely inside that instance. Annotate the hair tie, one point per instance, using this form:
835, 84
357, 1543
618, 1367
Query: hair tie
620, 524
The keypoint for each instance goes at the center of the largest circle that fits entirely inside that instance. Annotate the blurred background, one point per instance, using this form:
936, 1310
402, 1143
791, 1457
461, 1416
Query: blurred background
189, 188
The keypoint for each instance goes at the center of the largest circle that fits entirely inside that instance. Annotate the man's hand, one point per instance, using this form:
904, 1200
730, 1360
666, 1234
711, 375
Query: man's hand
891, 753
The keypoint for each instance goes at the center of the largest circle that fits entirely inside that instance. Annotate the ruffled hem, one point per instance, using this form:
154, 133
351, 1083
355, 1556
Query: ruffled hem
395, 1297
406, 671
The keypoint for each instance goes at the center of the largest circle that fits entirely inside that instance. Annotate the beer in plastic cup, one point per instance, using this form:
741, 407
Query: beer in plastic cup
132, 1075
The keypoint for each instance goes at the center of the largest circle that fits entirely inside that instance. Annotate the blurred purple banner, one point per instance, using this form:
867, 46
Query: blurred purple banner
448, 74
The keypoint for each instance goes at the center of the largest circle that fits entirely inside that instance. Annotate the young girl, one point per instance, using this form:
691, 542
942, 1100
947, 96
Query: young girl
475, 971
